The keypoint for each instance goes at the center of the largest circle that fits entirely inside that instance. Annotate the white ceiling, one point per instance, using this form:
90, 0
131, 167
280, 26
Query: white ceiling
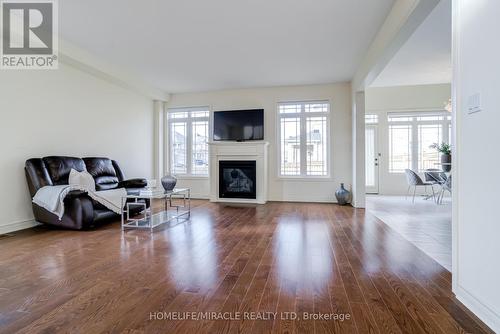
187, 45
426, 57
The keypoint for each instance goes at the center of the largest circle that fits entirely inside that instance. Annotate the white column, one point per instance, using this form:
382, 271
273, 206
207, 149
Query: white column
159, 140
358, 150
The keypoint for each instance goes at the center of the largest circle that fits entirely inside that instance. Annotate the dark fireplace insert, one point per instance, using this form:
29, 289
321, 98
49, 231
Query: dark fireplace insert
237, 179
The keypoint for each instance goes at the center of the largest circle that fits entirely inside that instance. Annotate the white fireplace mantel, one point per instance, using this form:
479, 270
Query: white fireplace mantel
239, 151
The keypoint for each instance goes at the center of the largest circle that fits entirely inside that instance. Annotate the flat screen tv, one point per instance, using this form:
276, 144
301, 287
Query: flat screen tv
239, 125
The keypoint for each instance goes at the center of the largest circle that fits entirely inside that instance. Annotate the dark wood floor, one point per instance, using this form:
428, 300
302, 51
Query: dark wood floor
281, 257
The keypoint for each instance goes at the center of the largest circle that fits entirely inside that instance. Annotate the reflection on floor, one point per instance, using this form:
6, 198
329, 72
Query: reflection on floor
290, 267
423, 223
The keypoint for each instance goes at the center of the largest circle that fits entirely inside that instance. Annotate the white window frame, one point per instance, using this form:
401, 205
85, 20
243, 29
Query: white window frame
371, 119
414, 123
189, 138
303, 138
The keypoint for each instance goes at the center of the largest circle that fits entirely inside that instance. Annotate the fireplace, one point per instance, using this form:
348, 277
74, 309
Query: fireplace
251, 159
237, 179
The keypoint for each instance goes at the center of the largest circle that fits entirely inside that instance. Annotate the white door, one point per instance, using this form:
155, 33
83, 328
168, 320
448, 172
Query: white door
371, 159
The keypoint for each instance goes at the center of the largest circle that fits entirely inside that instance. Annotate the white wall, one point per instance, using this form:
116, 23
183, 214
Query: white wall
403, 98
476, 271
320, 190
66, 112
380, 101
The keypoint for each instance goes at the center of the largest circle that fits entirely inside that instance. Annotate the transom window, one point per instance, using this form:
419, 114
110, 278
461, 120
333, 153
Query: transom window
188, 141
371, 119
411, 134
304, 138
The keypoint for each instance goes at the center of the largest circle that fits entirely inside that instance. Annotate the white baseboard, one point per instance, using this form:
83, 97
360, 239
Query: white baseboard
298, 200
17, 226
483, 312
302, 200
199, 196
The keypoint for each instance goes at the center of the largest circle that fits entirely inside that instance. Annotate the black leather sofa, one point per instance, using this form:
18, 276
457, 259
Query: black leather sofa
80, 210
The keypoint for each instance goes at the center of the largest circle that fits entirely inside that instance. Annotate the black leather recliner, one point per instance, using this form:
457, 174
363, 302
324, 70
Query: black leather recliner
80, 210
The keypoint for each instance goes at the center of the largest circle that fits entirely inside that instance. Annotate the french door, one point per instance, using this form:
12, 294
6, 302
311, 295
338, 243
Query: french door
371, 159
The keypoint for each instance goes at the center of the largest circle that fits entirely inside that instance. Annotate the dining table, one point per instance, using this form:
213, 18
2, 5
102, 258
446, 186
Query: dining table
448, 175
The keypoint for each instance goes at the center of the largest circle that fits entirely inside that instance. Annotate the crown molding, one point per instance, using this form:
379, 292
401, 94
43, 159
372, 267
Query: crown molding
80, 59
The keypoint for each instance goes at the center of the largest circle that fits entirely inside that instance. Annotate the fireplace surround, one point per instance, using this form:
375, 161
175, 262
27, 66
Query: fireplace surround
243, 159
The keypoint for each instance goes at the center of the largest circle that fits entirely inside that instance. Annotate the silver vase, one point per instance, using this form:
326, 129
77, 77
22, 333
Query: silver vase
343, 195
168, 182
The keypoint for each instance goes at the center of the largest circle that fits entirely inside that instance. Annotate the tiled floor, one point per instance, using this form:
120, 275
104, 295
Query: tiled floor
425, 224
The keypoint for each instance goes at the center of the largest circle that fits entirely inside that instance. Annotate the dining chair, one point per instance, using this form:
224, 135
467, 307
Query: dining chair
416, 181
434, 176
446, 186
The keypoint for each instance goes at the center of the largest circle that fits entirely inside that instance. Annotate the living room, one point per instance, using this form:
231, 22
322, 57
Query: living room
200, 167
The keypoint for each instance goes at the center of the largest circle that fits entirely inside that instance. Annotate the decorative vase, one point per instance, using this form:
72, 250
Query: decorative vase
342, 195
168, 182
446, 162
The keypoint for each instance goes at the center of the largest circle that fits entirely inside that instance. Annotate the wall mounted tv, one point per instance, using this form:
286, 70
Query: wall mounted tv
239, 125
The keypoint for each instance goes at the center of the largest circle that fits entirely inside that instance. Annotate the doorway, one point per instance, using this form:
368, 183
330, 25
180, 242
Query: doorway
372, 156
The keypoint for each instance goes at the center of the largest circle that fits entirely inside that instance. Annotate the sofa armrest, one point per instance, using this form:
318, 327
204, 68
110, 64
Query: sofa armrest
78, 213
133, 183
118, 170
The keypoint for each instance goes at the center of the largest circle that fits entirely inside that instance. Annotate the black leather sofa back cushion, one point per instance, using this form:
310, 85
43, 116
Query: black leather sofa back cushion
59, 168
103, 171
37, 175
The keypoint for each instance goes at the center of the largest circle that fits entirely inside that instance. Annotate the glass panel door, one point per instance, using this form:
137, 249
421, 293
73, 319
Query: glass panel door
371, 159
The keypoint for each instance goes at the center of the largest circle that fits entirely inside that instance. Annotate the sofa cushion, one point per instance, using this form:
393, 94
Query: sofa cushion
60, 167
103, 172
106, 183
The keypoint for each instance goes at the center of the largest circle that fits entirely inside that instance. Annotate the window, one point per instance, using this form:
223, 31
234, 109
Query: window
304, 138
371, 119
188, 141
400, 157
427, 135
411, 134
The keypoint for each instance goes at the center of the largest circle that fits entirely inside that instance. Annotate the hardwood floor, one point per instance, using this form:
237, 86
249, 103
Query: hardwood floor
274, 262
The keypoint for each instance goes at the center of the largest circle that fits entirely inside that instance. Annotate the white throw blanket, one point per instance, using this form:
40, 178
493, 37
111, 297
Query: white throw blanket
51, 198
111, 199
